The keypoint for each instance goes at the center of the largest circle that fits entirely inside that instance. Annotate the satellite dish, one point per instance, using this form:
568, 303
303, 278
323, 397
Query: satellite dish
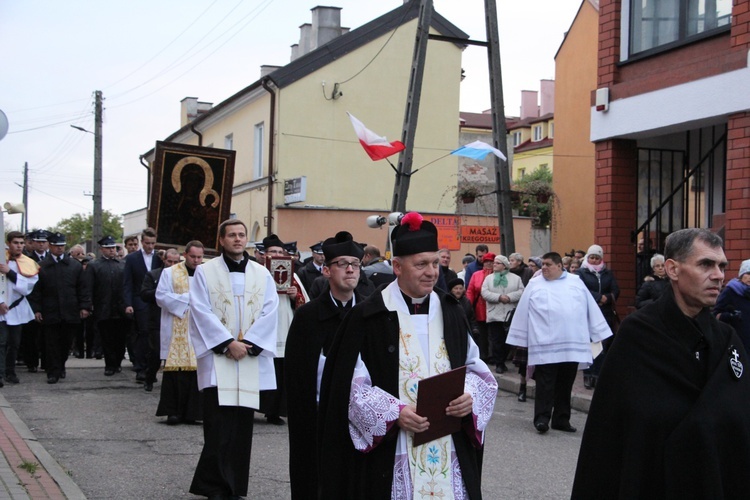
3, 124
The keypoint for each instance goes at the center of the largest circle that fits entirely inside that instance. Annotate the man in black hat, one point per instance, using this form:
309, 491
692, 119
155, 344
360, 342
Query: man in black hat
314, 267
60, 300
32, 348
273, 402
104, 276
310, 334
406, 332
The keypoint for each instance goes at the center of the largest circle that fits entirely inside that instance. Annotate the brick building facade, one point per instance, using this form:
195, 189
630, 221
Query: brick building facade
673, 134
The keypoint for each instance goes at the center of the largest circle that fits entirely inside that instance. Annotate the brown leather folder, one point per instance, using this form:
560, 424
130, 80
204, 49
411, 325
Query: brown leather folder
433, 396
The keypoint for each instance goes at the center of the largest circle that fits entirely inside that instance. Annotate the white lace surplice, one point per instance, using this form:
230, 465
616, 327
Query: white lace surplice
372, 413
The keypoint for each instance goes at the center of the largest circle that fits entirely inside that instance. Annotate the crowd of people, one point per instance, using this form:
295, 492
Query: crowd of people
337, 345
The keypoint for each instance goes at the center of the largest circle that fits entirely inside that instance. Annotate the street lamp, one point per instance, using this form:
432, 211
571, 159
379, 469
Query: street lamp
96, 230
377, 221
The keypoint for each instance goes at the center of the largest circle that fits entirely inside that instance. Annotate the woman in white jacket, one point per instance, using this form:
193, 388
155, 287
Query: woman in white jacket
501, 290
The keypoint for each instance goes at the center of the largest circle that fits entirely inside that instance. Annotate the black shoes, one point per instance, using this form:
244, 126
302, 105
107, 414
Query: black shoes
501, 368
275, 420
565, 428
589, 381
522, 393
13, 379
109, 372
148, 386
52, 380
173, 420
140, 378
542, 427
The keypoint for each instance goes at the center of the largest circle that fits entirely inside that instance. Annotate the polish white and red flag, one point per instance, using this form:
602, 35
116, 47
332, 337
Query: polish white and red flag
376, 146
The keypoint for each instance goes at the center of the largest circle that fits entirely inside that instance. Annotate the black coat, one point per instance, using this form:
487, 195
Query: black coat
603, 284
307, 275
104, 278
663, 424
148, 296
313, 327
650, 291
372, 331
61, 292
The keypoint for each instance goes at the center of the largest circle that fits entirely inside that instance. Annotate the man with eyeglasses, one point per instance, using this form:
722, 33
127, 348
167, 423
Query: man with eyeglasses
273, 403
401, 334
311, 333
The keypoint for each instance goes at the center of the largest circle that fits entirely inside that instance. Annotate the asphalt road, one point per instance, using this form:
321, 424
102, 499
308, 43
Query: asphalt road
103, 432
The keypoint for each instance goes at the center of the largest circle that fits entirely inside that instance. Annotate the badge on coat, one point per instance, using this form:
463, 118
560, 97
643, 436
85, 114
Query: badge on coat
734, 362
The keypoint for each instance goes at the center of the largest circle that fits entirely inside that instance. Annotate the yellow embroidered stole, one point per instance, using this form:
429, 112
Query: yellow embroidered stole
26, 265
430, 463
181, 355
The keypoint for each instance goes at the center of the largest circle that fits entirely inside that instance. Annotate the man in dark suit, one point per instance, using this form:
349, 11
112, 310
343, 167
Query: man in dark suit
60, 300
32, 343
137, 264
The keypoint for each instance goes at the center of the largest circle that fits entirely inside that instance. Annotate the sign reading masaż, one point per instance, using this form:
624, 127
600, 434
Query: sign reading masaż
480, 234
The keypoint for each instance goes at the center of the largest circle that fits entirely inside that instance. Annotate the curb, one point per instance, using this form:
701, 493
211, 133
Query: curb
63, 480
580, 401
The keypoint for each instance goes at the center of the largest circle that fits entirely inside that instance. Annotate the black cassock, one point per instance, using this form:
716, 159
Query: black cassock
663, 424
313, 327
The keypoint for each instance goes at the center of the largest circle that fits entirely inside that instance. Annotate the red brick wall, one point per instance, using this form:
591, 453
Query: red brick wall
737, 229
741, 24
616, 185
609, 42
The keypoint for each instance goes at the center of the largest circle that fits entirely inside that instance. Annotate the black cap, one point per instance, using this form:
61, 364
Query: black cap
291, 247
318, 247
341, 245
414, 235
259, 247
272, 241
56, 239
454, 282
40, 235
107, 242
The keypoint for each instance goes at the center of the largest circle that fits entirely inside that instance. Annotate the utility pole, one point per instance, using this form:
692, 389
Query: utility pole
403, 172
499, 131
24, 219
96, 231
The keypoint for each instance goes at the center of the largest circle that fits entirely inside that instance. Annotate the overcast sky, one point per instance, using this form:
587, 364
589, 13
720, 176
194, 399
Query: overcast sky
147, 55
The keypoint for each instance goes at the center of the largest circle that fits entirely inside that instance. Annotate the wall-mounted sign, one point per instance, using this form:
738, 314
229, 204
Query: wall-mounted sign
295, 190
480, 234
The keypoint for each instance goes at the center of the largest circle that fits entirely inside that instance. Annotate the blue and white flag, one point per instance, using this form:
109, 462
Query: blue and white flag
478, 150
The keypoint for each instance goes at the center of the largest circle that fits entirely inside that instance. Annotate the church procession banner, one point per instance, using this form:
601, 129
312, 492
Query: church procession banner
191, 193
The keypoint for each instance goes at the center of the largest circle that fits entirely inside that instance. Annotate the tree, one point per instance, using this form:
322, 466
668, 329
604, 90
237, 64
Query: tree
78, 227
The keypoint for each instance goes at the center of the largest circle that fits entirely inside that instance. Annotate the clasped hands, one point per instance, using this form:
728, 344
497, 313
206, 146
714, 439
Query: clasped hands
409, 420
237, 350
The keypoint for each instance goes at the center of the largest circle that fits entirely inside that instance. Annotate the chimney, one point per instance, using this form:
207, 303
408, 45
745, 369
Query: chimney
188, 111
547, 97
305, 36
191, 109
267, 69
326, 25
295, 52
529, 106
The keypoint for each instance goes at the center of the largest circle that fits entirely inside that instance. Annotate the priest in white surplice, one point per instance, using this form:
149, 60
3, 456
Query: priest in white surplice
180, 399
233, 307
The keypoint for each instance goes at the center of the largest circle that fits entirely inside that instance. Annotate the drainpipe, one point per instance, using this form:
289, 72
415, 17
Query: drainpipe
200, 136
271, 127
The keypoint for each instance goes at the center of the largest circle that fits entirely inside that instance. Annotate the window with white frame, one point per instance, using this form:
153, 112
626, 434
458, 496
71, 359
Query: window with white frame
658, 24
551, 127
258, 151
229, 141
516, 139
537, 133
